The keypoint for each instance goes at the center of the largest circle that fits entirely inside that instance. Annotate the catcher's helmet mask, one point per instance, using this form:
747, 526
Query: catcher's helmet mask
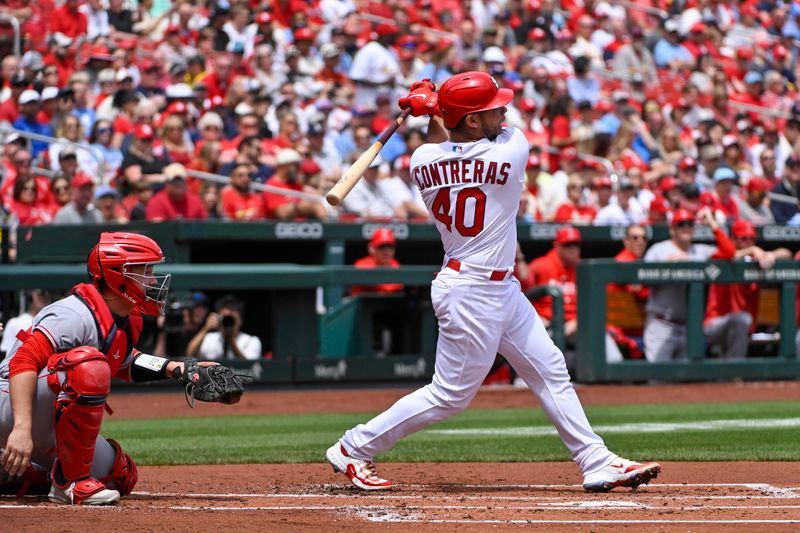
470, 92
121, 254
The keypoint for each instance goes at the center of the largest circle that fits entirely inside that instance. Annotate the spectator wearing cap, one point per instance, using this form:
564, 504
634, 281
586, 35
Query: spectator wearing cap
61, 57
139, 161
287, 176
172, 49
669, 52
322, 149
732, 307
733, 157
785, 211
29, 109
101, 139
79, 82
721, 200
368, 201
106, 201
68, 163
68, 20
375, 65
151, 78
381, 249
665, 323
687, 170
625, 211
80, 209
746, 30
241, 34
26, 206
70, 129
175, 201
402, 193
309, 63
124, 103
193, 314
575, 210
239, 202
31, 64
752, 203
584, 44
557, 267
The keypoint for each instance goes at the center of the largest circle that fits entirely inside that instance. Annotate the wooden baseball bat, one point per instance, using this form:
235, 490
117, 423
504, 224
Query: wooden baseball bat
356, 170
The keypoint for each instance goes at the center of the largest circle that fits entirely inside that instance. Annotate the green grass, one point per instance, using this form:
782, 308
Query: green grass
304, 438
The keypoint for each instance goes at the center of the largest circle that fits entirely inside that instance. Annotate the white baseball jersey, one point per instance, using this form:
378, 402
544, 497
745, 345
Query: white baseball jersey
472, 191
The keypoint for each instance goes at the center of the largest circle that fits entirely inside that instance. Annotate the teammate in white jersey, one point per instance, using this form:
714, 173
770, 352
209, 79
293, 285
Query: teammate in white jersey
471, 177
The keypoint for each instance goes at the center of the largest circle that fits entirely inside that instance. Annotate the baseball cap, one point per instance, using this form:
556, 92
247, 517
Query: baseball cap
143, 131
175, 171
725, 173
687, 163
386, 29
757, 185
122, 75
494, 54
176, 107
682, 215
28, 96
534, 161
671, 26
659, 204
67, 152
753, 77
403, 162
328, 50
81, 180
528, 105
743, 228
567, 234
179, 90
625, 183
569, 153
729, 140
263, 17
303, 34
310, 167
105, 190
603, 182
667, 183
383, 236
287, 156
537, 34
793, 160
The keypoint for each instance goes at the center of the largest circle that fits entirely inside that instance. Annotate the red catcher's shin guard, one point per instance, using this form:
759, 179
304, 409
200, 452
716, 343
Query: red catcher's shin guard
124, 474
85, 383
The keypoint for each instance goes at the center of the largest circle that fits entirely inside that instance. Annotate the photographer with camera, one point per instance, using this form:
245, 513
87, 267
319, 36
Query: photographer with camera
183, 319
221, 336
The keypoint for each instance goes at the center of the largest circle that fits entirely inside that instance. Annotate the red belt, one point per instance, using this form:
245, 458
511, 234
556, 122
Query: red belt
496, 275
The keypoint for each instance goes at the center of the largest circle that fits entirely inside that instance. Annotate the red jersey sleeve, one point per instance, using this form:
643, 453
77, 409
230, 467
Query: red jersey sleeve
32, 355
725, 247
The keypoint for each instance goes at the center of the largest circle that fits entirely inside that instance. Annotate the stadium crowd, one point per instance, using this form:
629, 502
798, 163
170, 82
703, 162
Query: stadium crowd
632, 109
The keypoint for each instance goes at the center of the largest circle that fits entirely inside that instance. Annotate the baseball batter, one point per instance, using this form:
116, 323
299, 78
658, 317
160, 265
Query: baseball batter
55, 380
471, 181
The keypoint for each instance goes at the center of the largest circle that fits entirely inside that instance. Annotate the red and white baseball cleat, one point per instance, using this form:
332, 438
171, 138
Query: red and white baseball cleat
361, 473
620, 473
87, 491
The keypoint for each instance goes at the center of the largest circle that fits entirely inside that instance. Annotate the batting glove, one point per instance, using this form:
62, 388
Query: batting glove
421, 99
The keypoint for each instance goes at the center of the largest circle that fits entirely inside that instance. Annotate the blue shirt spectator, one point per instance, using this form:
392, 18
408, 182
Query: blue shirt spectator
29, 108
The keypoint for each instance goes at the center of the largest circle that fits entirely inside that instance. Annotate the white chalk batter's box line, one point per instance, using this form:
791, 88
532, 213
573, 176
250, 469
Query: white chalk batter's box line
643, 427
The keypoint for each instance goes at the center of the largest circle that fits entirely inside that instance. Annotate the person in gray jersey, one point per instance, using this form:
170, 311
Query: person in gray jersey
665, 322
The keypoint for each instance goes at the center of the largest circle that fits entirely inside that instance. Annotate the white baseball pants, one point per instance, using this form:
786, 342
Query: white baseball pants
477, 319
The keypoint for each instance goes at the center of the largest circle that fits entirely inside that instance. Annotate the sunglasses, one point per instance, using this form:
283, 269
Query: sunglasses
22, 162
685, 224
103, 130
571, 244
61, 189
29, 189
637, 237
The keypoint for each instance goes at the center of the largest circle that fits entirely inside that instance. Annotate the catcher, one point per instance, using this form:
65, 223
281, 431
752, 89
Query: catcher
55, 380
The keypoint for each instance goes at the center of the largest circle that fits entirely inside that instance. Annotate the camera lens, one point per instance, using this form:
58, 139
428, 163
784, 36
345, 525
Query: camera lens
227, 321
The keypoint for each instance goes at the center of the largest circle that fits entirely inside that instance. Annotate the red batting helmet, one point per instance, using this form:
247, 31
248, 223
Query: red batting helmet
470, 92
110, 263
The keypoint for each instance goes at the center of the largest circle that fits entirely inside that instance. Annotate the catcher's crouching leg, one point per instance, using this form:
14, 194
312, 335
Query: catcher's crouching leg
123, 474
82, 379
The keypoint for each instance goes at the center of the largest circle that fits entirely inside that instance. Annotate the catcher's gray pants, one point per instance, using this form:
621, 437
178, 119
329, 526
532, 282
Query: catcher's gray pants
730, 333
43, 428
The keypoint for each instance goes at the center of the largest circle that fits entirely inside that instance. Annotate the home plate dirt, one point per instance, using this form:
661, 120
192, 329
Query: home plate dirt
463, 497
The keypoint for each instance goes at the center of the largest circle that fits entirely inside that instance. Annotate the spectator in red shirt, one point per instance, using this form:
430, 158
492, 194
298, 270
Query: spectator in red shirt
287, 177
239, 203
26, 205
733, 307
557, 267
23, 169
61, 57
68, 20
175, 201
381, 250
721, 200
574, 210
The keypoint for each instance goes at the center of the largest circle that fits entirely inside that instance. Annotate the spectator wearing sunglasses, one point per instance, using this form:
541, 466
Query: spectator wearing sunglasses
665, 322
101, 138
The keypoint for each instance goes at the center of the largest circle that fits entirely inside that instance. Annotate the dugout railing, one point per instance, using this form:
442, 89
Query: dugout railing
593, 277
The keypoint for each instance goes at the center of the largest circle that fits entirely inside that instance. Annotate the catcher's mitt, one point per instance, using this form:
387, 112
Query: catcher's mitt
214, 383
